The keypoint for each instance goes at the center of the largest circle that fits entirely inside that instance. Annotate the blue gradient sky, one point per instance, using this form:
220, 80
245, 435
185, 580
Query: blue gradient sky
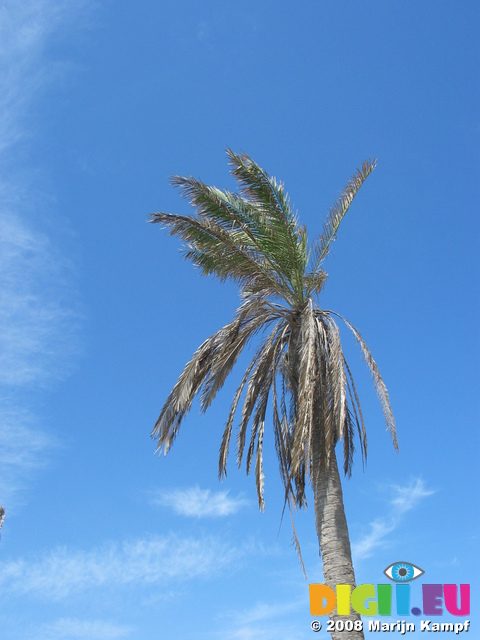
99, 103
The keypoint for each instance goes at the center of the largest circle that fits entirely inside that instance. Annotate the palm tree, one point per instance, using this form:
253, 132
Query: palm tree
253, 238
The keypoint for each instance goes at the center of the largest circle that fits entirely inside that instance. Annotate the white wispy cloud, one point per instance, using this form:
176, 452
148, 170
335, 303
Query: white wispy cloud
38, 315
24, 449
26, 28
200, 503
264, 621
404, 499
72, 628
39, 310
407, 498
155, 561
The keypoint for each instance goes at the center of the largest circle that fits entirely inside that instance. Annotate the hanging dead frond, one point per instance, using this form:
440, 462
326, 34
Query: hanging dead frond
380, 387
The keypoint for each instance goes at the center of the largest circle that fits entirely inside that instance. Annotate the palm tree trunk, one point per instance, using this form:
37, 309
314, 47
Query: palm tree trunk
333, 537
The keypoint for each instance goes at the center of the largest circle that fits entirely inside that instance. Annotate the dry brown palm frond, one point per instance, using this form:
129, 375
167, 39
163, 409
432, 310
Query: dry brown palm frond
227, 434
296, 542
259, 417
252, 317
209, 367
259, 475
336, 377
181, 397
324, 402
314, 282
281, 433
348, 444
362, 432
259, 378
307, 382
380, 387
338, 211
228, 355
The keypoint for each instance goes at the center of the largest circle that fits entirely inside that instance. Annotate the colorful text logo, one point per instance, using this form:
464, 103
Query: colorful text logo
371, 600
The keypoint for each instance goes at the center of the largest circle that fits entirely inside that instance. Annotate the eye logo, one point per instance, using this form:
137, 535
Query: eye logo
403, 572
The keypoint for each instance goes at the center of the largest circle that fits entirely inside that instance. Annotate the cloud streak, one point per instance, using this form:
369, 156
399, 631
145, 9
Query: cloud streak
194, 502
39, 308
38, 319
24, 448
72, 628
264, 622
404, 500
25, 30
155, 561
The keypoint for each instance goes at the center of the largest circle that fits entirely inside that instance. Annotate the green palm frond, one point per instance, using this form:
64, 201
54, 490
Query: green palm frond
224, 253
242, 218
271, 198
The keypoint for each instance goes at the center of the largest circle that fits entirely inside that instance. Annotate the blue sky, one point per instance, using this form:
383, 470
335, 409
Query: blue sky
99, 103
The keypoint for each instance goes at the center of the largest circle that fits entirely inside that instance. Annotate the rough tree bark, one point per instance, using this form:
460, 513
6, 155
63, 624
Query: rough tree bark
333, 537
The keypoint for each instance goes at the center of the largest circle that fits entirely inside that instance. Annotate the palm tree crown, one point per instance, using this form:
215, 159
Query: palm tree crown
253, 237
